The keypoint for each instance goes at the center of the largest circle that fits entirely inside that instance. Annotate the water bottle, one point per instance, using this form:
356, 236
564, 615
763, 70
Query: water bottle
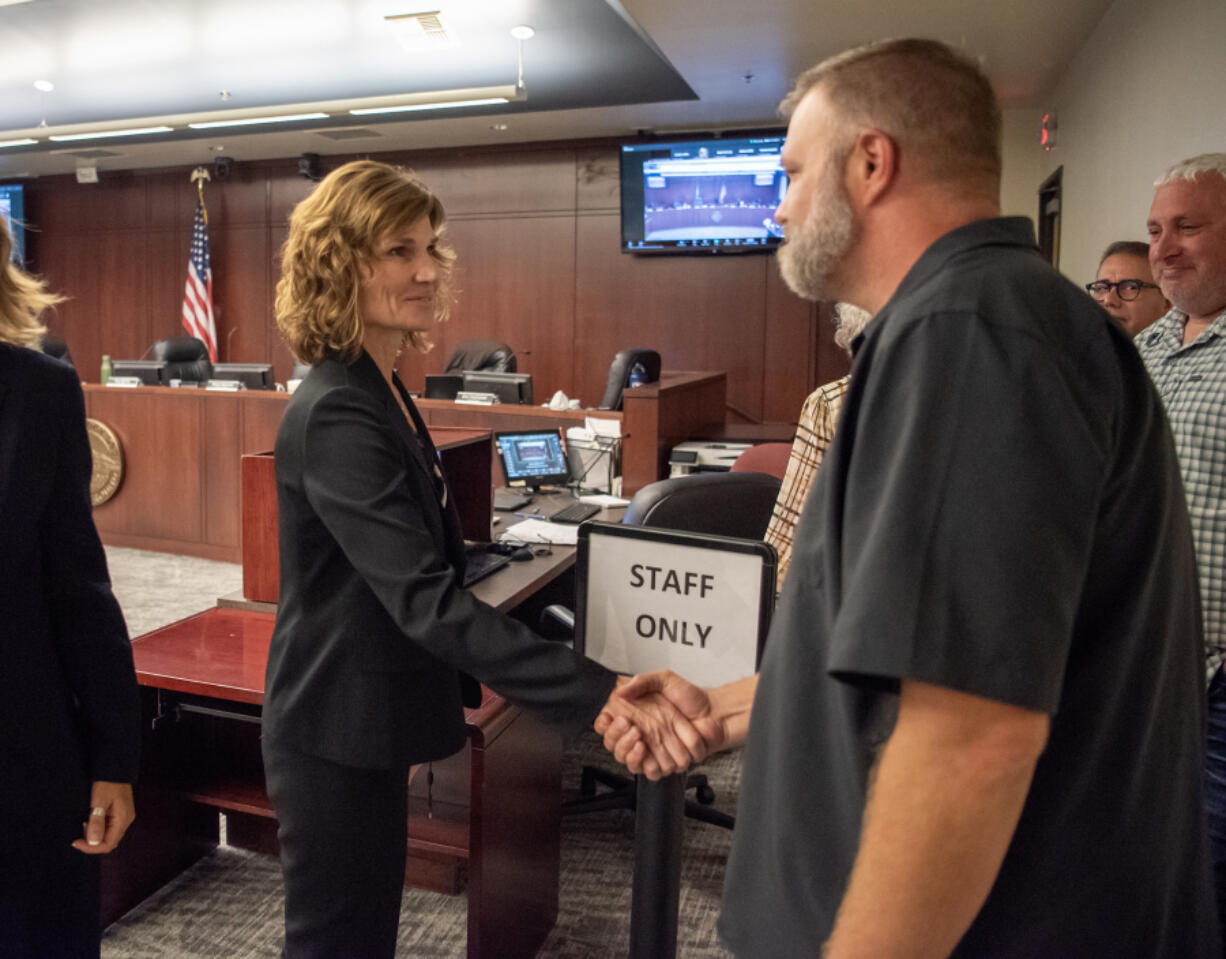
638, 375
106, 368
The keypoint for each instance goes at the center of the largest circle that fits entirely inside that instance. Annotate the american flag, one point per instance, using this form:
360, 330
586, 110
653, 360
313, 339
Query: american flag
198, 298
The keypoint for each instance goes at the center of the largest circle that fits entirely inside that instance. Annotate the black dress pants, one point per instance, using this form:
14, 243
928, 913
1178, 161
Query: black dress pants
342, 832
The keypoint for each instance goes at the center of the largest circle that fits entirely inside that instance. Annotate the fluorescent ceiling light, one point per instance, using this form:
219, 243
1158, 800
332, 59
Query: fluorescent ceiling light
284, 113
13, 3
248, 121
446, 105
24, 141
101, 134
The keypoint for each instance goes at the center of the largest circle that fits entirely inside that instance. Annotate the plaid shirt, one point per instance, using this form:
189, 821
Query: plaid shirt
1192, 383
818, 419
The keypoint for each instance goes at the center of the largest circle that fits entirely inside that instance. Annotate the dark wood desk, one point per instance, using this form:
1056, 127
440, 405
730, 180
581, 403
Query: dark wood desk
490, 825
182, 489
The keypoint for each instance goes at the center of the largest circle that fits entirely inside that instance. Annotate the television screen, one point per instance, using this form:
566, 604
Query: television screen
714, 195
508, 387
12, 211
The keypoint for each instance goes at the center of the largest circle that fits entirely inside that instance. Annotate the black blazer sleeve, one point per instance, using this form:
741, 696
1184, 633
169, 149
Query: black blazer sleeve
354, 477
73, 641
373, 627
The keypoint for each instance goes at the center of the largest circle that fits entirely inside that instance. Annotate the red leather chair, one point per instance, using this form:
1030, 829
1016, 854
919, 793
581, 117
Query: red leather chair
769, 458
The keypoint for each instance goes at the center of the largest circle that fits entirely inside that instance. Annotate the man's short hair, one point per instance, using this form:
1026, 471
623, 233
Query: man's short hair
1193, 167
1125, 248
936, 103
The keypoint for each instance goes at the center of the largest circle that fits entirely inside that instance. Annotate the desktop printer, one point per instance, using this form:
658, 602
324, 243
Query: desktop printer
704, 456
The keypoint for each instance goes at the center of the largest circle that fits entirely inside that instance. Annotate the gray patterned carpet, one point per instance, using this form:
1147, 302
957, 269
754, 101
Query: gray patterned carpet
228, 906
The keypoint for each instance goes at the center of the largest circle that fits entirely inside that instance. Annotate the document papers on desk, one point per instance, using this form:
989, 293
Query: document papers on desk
540, 531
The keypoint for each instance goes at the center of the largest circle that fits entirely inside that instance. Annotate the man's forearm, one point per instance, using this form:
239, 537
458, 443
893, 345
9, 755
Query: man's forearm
731, 705
943, 804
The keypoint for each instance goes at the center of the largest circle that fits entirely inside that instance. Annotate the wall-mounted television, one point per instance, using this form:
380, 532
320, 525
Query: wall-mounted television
12, 211
708, 195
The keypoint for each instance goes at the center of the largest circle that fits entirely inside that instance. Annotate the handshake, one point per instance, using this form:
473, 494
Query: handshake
657, 724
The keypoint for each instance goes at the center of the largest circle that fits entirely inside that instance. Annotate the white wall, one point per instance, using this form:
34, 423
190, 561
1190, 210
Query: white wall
1023, 166
1147, 90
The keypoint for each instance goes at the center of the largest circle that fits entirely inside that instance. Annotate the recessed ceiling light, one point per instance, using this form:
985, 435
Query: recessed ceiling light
499, 127
12, 3
523, 32
46, 86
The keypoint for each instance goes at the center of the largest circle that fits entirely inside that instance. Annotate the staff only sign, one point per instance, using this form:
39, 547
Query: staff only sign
653, 599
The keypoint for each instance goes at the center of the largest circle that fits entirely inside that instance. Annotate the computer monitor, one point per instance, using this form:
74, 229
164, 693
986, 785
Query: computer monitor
149, 372
254, 376
508, 387
533, 458
443, 386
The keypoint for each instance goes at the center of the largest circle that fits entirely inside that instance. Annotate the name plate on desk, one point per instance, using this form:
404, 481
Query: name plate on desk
124, 382
477, 399
225, 386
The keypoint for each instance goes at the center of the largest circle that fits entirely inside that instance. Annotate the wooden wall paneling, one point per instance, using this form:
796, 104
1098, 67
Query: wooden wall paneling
165, 282
516, 282
220, 487
242, 276
790, 336
700, 313
597, 180
533, 180
161, 489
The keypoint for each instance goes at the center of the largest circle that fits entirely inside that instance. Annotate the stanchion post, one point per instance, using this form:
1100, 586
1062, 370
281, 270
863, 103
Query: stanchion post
658, 824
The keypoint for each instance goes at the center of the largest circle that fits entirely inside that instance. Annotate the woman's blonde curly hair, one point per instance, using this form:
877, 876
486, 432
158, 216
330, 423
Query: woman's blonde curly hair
22, 299
332, 237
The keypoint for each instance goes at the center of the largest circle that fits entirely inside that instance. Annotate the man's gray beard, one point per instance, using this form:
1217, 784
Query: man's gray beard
849, 321
813, 250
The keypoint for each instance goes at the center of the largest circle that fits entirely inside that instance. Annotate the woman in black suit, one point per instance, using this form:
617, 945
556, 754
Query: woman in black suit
375, 640
68, 699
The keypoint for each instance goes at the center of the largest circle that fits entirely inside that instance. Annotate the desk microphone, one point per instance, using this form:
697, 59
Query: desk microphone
229, 357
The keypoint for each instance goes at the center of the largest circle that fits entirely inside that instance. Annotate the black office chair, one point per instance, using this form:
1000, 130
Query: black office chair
619, 375
186, 358
726, 504
54, 346
488, 356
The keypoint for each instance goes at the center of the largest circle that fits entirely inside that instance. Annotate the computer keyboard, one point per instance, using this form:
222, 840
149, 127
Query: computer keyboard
478, 564
574, 513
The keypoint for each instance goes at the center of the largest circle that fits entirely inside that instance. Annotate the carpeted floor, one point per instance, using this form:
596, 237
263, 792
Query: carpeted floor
229, 904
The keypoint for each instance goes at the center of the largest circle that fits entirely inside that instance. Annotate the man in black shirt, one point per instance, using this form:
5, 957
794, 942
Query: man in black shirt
980, 722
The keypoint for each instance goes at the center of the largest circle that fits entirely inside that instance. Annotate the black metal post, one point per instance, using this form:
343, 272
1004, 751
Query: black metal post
658, 823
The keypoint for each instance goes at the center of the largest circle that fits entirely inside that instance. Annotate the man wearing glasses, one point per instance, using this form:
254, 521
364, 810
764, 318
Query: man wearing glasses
1125, 288
1185, 352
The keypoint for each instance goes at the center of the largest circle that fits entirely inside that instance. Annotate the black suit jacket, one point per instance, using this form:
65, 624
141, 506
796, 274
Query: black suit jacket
374, 631
69, 708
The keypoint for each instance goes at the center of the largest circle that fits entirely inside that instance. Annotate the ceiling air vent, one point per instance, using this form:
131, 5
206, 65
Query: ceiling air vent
348, 133
96, 154
420, 31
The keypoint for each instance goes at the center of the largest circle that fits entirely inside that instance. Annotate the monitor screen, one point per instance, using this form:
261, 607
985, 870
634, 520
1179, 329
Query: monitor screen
508, 387
443, 386
254, 376
12, 211
149, 372
533, 457
714, 195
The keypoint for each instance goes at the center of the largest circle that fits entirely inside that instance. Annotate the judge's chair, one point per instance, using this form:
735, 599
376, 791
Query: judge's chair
620, 371
186, 358
488, 356
725, 504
